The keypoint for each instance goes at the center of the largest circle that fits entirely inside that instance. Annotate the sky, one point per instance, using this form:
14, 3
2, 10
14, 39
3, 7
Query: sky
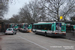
14, 7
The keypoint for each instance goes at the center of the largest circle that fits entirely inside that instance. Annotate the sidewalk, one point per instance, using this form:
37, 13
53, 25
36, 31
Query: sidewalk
70, 36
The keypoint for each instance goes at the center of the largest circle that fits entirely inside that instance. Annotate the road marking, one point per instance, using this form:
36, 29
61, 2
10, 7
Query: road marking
33, 43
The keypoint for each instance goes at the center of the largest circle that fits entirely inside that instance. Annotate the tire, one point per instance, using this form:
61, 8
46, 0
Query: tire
35, 33
5, 34
46, 34
15, 33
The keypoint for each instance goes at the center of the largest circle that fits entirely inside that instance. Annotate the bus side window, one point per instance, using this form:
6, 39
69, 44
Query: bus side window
39, 26
34, 27
44, 28
49, 27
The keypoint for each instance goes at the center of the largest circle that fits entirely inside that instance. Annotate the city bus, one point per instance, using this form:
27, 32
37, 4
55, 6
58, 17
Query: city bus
23, 27
16, 26
70, 28
30, 28
50, 28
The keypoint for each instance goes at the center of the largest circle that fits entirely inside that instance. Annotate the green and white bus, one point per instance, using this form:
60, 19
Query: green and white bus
50, 28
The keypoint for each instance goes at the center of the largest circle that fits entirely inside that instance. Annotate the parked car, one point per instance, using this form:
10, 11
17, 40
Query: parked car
11, 31
23, 29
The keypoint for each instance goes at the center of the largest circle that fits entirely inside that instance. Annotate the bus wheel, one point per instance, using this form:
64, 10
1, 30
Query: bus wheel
35, 32
46, 34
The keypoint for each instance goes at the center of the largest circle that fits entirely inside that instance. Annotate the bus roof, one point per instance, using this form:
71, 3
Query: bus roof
39, 23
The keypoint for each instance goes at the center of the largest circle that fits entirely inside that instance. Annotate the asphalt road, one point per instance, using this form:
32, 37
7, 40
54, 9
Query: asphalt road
31, 41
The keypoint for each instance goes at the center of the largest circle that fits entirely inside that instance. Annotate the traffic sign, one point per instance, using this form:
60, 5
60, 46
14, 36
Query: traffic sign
61, 17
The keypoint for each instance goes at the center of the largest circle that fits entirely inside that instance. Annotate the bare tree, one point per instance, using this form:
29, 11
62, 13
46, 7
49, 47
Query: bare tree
73, 18
33, 7
3, 7
46, 10
14, 19
30, 12
54, 8
25, 14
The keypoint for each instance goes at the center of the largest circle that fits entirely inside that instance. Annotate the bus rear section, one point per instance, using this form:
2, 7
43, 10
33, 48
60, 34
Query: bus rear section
59, 30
